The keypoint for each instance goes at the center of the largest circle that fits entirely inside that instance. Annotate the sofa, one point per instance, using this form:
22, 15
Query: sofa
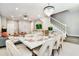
2, 42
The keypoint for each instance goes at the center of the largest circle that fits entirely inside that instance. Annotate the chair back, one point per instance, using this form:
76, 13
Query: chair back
46, 48
57, 38
12, 49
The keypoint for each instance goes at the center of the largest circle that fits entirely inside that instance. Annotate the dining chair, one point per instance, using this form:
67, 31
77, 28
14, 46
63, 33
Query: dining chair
58, 44
59, 37
17, 50
45, 49
61, 40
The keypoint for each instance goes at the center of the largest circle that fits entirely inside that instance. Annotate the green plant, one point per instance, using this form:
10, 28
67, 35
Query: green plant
38, 26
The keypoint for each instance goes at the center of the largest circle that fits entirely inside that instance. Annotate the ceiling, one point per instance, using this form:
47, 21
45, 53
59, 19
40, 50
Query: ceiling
9, 9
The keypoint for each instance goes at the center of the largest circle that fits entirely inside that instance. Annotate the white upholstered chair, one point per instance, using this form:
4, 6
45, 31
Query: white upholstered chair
58, 44
45, 49
17, 50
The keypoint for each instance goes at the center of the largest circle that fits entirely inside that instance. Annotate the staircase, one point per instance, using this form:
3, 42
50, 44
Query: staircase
57, 25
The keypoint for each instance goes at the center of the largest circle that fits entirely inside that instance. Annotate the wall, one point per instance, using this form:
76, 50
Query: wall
3, 21
71, 19
0, 23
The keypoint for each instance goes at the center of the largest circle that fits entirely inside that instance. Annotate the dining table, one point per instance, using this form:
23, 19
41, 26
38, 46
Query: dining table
32, 41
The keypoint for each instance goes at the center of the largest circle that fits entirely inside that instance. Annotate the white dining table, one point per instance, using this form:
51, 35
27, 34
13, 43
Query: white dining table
34, 43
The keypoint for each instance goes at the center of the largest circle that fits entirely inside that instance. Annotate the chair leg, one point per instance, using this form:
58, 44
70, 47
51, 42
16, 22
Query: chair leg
60, 45
52, 52
33, 54
58, 50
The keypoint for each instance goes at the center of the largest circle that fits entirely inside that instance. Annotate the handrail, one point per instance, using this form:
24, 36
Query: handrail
58, 21
59, 24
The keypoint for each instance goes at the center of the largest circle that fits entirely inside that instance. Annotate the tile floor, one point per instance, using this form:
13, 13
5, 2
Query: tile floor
3, 52
69, 49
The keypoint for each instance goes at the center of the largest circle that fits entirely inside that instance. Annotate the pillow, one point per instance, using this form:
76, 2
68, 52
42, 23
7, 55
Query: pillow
4, 34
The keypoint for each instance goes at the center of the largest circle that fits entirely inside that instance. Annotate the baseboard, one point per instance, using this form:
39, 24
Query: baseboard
73, 35
2, 46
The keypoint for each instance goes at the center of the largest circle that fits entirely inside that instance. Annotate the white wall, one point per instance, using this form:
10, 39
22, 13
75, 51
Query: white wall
3, 21
71, 19
0, 23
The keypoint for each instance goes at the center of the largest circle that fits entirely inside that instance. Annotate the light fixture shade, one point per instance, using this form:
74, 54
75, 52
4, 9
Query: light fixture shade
25, 16
48, 10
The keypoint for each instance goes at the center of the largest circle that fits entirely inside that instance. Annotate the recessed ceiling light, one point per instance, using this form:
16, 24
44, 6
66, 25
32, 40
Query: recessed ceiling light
17, 8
